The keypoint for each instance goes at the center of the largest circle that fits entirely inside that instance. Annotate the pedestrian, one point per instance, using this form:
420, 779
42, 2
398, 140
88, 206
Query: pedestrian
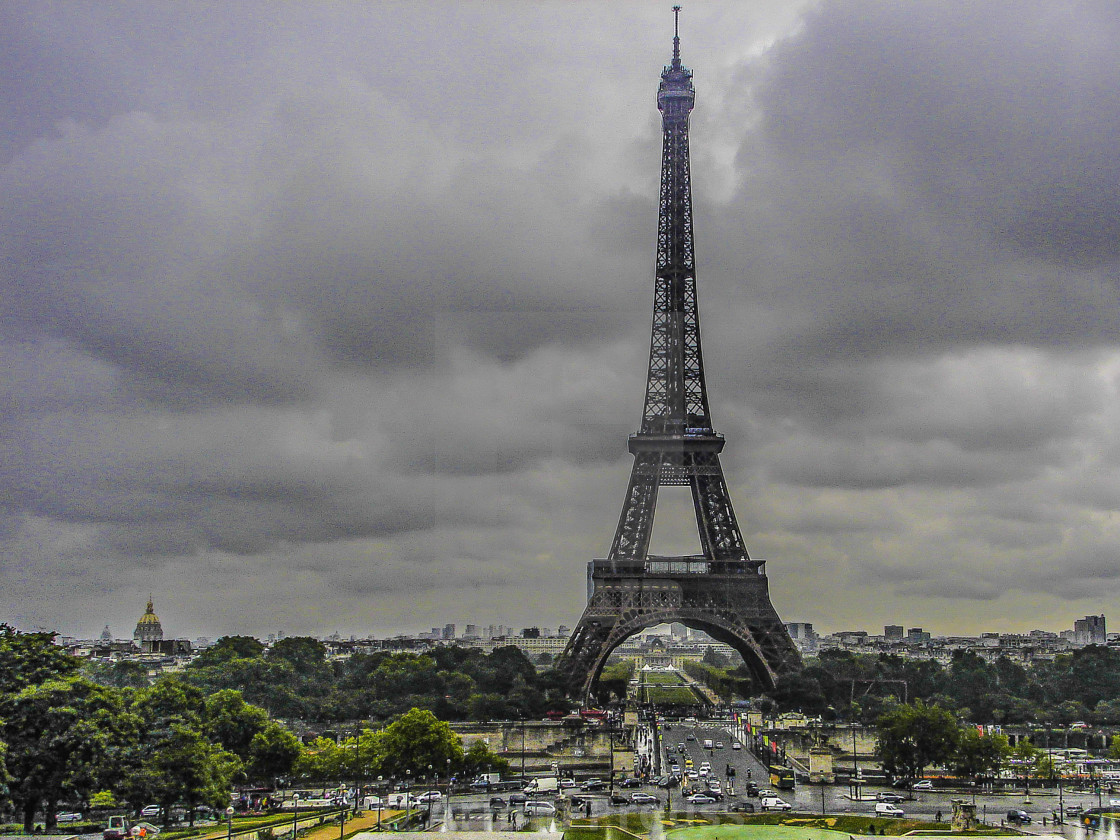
937, 817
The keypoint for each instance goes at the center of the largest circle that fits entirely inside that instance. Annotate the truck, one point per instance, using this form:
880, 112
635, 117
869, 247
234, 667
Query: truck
485, 781
542, 785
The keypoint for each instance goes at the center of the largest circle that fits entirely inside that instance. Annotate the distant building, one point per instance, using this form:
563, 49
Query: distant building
801, 630
148, 628
106, 634
916, 635
1090, 630
892, 632
449, 631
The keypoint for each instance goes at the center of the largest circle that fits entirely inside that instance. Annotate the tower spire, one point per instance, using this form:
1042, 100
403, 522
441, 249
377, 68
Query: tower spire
676, 37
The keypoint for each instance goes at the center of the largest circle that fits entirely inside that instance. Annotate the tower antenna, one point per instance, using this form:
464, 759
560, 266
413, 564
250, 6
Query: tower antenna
676, 36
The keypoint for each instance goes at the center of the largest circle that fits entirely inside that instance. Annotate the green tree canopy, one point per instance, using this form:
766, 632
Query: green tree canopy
911, 737
415, 740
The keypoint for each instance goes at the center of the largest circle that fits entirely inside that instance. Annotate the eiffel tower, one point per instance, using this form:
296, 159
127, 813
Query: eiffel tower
722, 592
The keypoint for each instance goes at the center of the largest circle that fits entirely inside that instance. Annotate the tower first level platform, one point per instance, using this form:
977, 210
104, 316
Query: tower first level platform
730, 601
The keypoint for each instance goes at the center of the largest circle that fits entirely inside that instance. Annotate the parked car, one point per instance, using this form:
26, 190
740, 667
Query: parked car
774, 803
701, 799
1017, 815
888, 809
924, 784
593, 784
149, 811
630, 782
430, 796
735, 745
644, 799
890, 797
743, 807
568, 783
619, 799
536, 808
68, 817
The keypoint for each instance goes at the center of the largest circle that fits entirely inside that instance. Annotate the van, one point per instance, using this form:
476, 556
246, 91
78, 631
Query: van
888, 809
534, 808
708, 744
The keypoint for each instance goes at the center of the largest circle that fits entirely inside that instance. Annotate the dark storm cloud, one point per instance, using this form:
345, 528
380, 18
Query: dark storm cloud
353, 301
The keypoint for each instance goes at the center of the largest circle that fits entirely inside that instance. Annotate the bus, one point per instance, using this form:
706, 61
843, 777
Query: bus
781, 778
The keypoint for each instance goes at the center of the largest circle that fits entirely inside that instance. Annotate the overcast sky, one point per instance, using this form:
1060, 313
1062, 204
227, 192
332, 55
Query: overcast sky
335, 317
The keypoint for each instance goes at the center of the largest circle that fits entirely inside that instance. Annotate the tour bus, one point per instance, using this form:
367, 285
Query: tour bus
781, 778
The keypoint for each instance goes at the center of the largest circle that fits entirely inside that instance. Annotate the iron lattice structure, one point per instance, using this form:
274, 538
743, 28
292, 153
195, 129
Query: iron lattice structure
721, 591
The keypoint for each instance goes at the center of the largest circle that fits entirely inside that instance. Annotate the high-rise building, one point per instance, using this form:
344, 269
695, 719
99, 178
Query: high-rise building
893, 631
1090, 630
801, 630
449, 631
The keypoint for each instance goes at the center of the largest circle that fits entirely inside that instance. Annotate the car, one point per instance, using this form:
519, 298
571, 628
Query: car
743, 807
719, 745
691, 775
1017, 815
706, 764
764, 792
774, 803
518, 799
750, 789
630, 782
924, 784
890, 797
430, 796
68, 817
619, 799
714, 785
1073, 810
690, 736
497, 802
701, 799
568, 783
593, 784
888, 809
705, 772
644, 799
668, 782
682, 749
735, 745
675, 769
535, 808
688, 762
149, 811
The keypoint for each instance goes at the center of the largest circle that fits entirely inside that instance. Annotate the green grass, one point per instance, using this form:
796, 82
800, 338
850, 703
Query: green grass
675, 695
662, 678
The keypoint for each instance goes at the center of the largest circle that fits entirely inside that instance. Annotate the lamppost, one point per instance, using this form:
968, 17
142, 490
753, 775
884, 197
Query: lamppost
380, 793
342, 822
427, 793
295, 815
447, 805
523, 749
229, 823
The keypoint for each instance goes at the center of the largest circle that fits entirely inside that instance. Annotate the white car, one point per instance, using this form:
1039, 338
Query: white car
924, 784
430, 796
701, 799
735, 745
774, 803
68, 816
534, 808
149, 811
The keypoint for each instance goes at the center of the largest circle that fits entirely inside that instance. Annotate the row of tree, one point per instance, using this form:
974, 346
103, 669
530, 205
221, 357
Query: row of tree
1083, 685
65, 738
293, 679
914, 736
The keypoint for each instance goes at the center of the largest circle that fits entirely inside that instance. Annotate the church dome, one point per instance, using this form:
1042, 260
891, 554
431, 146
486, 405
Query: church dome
148, 628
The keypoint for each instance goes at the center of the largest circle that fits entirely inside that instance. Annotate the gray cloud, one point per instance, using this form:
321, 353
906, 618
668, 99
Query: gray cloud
322, 318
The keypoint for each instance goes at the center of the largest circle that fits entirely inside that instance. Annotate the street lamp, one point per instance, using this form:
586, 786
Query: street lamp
342, 822
295, 815
426, 793
447, 805
380, 793
229, 823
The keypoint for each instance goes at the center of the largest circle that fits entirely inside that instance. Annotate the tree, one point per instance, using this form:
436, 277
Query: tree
980, 755
302, 652
273, 752
233, 723
187, 768
227, 648
415, 740
911, 737
64, 738
30, 659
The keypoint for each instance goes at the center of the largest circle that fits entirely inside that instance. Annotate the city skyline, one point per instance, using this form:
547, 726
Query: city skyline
336, 318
